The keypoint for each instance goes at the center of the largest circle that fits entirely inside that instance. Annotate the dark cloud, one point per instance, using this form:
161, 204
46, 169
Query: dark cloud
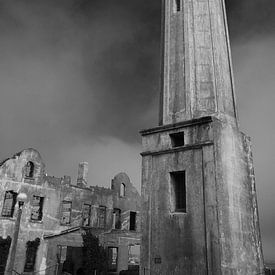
80, 78
248, 18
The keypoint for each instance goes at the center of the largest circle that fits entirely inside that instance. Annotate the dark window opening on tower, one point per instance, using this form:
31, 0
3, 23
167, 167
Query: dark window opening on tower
178, 191
177, 139
132, 226
178, 5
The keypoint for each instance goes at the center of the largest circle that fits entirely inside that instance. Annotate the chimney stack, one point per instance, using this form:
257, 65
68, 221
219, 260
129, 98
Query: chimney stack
82, 179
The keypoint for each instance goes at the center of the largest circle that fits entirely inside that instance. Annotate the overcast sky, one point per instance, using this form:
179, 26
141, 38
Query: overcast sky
79, 79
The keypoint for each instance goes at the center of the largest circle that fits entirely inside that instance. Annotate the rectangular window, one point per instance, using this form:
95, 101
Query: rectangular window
9, 204
66, 212
178, 5
37, 208
117, 218
178, 191
112, 258
132, 226
32, 247
86, 214
101, 217
177, 139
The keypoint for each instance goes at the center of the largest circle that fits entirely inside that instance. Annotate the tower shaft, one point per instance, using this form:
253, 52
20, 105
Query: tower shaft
197, 78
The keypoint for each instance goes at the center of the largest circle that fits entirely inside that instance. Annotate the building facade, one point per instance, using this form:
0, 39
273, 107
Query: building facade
199, 206
57, 212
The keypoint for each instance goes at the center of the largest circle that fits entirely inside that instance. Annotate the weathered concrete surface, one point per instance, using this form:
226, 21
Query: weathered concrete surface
219, 234
54, 191
197, 78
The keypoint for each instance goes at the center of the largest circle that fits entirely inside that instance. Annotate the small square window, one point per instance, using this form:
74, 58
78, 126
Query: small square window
177, 139
178, 191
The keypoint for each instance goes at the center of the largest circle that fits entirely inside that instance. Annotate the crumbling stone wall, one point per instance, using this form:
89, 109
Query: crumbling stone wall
54, 191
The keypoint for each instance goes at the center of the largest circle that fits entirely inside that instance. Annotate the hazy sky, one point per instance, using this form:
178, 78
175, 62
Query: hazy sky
79, 79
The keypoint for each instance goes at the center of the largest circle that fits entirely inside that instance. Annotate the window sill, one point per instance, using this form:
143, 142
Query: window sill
28, 272
116, 229
179, 213
13, 219
34, 221
28, 178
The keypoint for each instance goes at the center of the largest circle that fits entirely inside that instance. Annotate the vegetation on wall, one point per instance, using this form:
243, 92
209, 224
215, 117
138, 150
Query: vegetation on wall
94, 255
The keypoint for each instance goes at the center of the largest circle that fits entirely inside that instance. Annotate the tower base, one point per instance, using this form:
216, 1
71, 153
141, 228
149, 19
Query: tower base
199, 203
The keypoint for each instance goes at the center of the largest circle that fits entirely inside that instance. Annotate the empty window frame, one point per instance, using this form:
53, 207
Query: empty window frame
29, 169
31, 252
177, 139
117, 218
132, 225
101, 217
133, 256
86, 212
112, 259
9, 204
122, 190
37, 208
66, 212
177, 4
178, 191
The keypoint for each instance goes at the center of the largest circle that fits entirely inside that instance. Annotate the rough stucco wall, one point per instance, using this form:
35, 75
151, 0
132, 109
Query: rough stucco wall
182, 249
177, 239
240, 240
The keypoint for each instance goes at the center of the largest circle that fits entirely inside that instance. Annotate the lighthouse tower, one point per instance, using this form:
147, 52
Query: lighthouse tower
199, 203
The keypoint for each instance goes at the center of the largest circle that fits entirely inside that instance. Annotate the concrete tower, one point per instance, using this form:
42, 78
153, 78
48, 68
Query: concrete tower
199, 202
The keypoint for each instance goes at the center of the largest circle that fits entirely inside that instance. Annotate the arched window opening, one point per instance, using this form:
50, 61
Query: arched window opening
29, 169
122, 190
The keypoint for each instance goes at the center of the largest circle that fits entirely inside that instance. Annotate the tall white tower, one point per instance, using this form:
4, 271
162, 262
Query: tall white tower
199, 204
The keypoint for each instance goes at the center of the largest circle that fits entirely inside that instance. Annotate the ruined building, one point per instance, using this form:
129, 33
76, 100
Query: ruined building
199, 207
56, 213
